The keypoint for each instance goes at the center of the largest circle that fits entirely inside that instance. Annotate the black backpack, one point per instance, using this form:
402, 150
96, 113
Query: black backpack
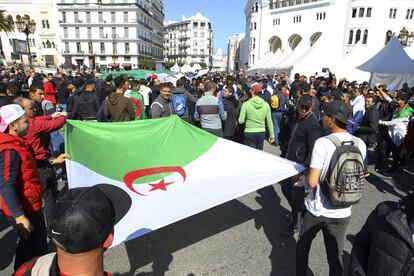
345, 178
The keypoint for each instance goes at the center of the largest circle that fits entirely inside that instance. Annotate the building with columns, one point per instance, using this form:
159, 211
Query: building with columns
108, 33
189, 40
305, 35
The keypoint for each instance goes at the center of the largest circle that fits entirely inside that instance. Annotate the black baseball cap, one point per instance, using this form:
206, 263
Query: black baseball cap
337, 94
340, 110
305, 100
89, 81
82, 218
77, 82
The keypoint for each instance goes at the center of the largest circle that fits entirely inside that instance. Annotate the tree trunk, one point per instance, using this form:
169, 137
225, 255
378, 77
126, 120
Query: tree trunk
2, 56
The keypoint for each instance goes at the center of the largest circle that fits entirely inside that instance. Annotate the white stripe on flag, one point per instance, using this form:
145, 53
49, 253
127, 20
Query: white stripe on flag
227, 171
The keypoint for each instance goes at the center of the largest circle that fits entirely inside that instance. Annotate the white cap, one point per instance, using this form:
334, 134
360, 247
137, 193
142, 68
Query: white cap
9, 113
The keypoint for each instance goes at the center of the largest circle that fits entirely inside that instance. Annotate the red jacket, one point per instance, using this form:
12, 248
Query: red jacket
38, 134
50, 91
28, 186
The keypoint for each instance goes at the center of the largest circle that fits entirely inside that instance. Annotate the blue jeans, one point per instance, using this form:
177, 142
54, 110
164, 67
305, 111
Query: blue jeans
277, 118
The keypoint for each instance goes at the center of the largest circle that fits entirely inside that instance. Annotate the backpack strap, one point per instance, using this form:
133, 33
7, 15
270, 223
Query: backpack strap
339, 143
356, 141
157, 103
334, 140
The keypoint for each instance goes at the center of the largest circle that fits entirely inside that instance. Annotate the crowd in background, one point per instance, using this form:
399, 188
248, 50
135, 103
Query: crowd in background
290, 114
380, 117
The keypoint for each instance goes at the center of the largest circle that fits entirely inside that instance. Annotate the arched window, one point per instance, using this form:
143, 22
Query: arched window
388, 36
43, 44
53, 45
48, 45
256, 7
357, 36
351, 36
365, 38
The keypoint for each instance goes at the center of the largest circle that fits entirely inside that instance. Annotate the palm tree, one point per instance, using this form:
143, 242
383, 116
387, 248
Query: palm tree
7, 26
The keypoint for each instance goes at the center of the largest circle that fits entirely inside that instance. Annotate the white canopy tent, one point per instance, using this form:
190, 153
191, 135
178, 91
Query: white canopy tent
175, 68
391, 66
186, 68
196, 67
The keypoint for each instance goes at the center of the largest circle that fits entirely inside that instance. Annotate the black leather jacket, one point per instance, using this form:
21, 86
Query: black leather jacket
384, 246
304, 134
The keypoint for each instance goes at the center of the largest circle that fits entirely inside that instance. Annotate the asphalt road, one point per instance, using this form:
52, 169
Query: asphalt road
240, 237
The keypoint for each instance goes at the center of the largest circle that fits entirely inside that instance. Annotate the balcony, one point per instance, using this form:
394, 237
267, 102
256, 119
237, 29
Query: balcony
183, 46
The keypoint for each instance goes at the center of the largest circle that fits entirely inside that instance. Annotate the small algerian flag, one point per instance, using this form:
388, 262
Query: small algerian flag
169, 168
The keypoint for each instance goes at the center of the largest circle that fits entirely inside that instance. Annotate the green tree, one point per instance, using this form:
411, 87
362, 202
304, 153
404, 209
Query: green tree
147, 64
7, 26
169, 64
203, 65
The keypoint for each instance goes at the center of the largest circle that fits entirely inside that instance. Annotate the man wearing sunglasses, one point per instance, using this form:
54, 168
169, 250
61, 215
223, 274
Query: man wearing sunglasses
305, 132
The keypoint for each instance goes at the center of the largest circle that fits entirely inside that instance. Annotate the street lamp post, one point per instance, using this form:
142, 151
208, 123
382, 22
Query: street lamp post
26, 26
406, 38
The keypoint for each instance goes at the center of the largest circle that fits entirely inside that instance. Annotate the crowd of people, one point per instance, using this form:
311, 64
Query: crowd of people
313, 121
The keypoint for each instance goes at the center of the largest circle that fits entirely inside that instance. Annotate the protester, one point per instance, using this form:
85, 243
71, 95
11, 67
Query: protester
256, 115
320, 213
37, 95
180, 99
146, 94
20, 185
63, 95
118, 108
209, 110
50, 89
82, 228
86, 104
38, 137
137, 99
5, 99
278, 106
162, 106
155, 89
383, 246
397, 127
74, 91
368, 128
305, 132
106, 89
266, 94
231, 107
358, 110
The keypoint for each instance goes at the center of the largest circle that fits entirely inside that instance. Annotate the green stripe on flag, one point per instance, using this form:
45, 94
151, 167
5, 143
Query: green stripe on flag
114, 149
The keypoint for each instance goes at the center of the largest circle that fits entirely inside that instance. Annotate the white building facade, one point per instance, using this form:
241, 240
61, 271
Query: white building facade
189, 40
306, 35
108, 33
219, 61
44, 42
233, 51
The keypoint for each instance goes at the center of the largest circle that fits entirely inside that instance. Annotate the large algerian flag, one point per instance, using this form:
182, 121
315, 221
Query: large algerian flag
169, 168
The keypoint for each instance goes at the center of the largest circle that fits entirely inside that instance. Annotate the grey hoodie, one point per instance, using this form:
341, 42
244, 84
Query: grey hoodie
161, 108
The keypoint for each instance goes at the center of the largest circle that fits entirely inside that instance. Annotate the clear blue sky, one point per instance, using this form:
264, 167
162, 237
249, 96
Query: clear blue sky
226, 16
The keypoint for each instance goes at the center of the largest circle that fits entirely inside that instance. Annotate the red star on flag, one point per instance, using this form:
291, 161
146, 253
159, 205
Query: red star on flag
162, 185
